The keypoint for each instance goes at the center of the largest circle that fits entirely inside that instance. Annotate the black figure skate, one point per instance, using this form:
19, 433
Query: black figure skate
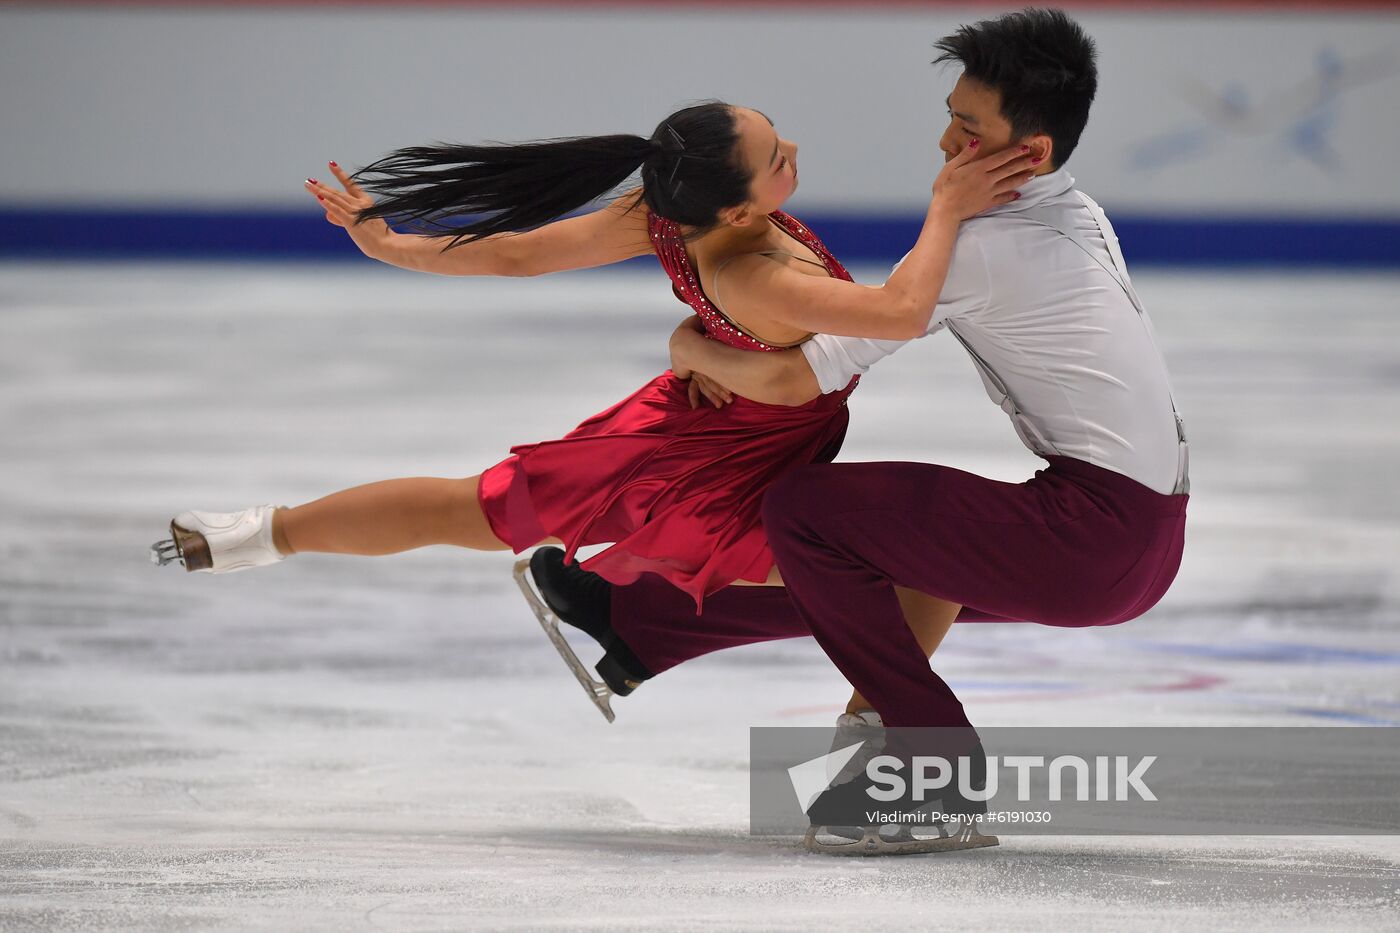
564, 592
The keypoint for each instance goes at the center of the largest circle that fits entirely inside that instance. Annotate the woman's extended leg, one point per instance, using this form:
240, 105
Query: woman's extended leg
387, 517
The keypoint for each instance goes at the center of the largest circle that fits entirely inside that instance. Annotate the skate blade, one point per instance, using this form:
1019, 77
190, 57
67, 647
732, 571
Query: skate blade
904, 842
188, 548
597, 691
165, 552
857, 833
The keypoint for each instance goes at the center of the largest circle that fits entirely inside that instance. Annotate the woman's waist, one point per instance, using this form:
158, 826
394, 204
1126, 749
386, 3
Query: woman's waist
821, 404
826, 403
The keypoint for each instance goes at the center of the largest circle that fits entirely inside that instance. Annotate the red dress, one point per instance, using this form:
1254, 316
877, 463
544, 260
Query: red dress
676, 490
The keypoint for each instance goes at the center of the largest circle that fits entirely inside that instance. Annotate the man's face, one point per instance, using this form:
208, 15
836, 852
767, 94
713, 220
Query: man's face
975, 113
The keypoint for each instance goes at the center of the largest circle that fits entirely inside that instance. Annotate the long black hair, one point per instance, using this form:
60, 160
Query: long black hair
691, 169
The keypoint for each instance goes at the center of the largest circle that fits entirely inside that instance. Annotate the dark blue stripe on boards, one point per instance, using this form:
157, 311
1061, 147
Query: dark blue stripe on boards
1190, 241
285, 235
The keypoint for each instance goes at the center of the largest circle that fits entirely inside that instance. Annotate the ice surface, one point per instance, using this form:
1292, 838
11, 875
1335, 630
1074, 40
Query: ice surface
342, 743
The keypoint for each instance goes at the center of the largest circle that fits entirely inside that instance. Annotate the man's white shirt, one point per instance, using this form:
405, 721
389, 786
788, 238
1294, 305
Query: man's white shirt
1078, 366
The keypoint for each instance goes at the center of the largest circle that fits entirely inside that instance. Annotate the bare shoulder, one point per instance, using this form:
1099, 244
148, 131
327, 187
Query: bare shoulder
752, 282
760, 292
773, 296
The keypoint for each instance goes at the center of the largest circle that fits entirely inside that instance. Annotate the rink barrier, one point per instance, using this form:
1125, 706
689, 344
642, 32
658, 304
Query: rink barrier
132, 234
1136, 6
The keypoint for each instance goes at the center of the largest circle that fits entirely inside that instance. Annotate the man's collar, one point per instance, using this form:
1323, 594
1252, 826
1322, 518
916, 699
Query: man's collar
1035, 192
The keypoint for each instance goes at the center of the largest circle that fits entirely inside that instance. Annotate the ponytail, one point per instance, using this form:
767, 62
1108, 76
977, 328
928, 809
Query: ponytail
690, 170
510, 187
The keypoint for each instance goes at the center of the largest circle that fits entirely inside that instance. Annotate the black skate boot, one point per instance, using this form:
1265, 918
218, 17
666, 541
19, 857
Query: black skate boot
559, 592
842, 812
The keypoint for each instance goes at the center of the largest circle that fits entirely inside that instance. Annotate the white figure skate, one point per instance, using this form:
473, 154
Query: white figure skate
864, 726
861, 726
219, 542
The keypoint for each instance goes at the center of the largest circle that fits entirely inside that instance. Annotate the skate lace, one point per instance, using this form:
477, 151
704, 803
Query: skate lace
585, 583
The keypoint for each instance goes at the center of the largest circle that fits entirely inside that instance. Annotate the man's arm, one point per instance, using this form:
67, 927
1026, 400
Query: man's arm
780, 378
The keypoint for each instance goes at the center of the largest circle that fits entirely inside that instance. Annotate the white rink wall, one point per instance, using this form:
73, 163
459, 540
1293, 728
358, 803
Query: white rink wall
1247, 111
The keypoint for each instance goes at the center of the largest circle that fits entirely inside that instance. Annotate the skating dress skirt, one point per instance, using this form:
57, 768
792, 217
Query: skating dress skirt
675, 490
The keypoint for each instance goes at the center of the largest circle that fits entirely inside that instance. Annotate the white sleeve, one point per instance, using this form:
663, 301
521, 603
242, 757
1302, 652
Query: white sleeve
834, 360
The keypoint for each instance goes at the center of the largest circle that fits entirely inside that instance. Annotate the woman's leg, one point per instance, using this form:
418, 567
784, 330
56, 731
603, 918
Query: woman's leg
928, 617
388, 517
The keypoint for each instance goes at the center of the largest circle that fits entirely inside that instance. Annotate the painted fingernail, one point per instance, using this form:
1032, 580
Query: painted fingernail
973, 144
1037, 160
312, 181
319, 198
1025, 148
336, 164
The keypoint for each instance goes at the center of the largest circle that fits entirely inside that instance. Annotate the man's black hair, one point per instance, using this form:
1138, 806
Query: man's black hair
1041, 62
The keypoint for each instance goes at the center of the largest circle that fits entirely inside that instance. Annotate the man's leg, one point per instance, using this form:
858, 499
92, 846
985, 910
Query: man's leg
658, 621
845, 534
929, 619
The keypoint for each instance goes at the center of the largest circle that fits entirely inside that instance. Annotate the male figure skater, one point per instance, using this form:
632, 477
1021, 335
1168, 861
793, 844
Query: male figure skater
1039, 296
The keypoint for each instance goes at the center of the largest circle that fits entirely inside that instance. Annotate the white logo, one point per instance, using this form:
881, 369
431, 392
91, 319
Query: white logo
1114, 779
810, 778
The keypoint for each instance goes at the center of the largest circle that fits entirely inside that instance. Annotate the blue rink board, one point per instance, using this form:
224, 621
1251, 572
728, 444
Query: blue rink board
275, 235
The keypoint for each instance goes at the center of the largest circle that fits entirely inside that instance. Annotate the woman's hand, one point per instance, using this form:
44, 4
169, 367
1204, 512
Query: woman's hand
372, 236
967, 185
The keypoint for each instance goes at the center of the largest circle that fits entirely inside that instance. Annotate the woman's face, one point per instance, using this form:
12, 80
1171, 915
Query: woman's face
771, 159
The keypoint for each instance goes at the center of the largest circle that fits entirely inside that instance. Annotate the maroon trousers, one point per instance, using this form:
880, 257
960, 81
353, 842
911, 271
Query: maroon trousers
1076, 545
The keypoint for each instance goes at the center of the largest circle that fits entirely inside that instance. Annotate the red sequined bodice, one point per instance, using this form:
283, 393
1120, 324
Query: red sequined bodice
666, 239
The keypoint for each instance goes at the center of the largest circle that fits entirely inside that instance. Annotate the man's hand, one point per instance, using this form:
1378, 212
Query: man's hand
782, 378
701, 384
683, 340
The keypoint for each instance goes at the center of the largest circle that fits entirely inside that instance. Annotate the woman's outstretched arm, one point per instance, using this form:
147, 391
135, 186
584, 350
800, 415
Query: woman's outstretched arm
611, 234
901, 308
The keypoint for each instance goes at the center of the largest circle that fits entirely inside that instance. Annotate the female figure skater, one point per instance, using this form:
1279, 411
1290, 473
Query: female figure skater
673, 486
